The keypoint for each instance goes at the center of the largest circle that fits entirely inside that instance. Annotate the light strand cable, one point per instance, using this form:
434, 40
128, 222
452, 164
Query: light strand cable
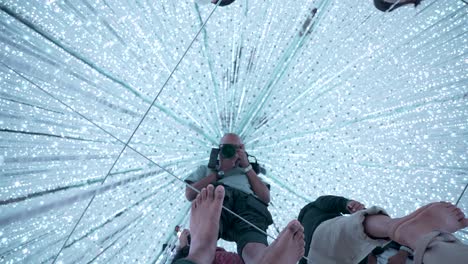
135, 130
461, 195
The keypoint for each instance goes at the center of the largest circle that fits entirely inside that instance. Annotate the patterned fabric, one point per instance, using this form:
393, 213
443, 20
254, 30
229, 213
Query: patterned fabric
224, 257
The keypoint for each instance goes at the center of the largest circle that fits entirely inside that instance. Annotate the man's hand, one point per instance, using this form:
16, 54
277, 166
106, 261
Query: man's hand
398, 258
354, 206
242, 157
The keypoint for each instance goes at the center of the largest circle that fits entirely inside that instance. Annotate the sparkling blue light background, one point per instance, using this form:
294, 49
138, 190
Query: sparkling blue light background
369, 105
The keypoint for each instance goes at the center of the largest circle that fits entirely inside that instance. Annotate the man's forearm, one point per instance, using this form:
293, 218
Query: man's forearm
191, 194
259, 188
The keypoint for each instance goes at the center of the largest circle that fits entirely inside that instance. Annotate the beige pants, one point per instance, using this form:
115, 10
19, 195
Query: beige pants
440, 248
342, 240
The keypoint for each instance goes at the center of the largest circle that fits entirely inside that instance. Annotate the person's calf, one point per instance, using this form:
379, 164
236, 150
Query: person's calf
253, 252
377, 226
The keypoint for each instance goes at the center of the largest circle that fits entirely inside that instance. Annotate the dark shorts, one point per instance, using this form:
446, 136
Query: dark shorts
250, 208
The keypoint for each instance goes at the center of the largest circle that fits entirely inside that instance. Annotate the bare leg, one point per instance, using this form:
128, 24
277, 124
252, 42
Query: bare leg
377, 226
407, 230
253, 252
288, 248
204, 224
444, 217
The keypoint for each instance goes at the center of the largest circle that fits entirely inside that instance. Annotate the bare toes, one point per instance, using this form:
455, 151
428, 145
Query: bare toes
295, 226
210, 192
460, 216
299, 236
204, 194
199, 198
219, 193
464, 222
449, 205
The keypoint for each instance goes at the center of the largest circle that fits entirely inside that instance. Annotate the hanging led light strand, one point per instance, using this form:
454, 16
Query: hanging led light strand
461, 195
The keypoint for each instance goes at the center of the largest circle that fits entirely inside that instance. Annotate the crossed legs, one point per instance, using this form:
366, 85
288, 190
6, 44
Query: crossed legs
444, 217
350, 239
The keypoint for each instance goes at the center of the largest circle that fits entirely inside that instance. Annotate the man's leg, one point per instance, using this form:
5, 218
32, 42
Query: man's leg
287, 248
250, 252
349, 239
427, 231
408, 230
438, 247
343, 239
204, 224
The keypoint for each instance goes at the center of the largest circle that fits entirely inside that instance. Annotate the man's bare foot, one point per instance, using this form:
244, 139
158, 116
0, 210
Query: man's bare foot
441, 216
204, 224
397, 222
288, 248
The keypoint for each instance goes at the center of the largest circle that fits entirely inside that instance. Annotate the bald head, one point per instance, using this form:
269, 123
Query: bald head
231, 138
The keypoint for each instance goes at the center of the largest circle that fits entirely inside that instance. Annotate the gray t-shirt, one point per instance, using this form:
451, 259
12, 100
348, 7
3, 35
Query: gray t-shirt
235, 178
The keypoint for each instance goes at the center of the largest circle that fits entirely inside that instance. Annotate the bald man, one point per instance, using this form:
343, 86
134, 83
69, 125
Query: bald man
246, 195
